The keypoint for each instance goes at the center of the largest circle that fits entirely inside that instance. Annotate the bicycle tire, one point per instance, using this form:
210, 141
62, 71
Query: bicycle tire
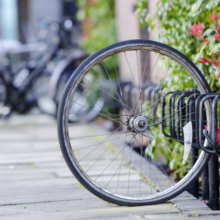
63, 133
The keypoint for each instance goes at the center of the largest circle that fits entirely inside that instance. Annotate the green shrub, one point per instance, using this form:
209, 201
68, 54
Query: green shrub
98, 23
174, 17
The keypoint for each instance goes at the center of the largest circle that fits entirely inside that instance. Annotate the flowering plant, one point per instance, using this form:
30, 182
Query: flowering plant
209, 46
170, 20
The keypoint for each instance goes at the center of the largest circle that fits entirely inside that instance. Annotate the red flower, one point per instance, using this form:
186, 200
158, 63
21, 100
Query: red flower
199, 28
216, 64
91, 2
196, 30
217, 37
213, 17
218, 29
217, 78
218, 131
203, 60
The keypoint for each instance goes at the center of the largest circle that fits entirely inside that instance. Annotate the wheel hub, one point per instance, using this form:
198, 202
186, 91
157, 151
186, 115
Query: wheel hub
138, 123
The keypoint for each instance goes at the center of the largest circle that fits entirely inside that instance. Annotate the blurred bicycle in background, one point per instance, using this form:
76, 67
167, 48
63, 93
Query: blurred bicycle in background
41, 79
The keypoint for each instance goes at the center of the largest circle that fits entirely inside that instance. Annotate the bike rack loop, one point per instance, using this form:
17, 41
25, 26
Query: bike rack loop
212, 172
190, 116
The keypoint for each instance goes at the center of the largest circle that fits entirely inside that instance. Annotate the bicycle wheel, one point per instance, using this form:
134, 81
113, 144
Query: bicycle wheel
41, 94
4, 110
103, 161
82, 108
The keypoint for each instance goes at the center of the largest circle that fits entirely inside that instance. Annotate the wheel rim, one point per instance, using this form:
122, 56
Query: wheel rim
199, 84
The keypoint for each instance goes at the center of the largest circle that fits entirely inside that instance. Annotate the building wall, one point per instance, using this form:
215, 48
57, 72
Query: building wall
157, 73
127, 28
8, 19
40, 9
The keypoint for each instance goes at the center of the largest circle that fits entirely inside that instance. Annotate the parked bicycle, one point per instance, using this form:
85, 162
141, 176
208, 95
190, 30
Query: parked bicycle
166, 126
39, 77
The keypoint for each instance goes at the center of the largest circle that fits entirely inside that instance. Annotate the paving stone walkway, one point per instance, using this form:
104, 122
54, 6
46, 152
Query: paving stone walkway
35, 182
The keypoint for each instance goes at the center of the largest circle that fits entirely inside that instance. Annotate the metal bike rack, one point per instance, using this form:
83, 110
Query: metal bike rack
193, 111
190, 116
182, 107
211, 190
147, 92
189, 106
113, 88
136, 91
127, 94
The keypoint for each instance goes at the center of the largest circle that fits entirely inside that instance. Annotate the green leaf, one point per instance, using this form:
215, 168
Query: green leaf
163, 152
217, 71
214, 47
198, 55
211, 39
212, 4
141, 4
208, 32
195, 7
202, 48
155, 153
197, 15
213, 82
